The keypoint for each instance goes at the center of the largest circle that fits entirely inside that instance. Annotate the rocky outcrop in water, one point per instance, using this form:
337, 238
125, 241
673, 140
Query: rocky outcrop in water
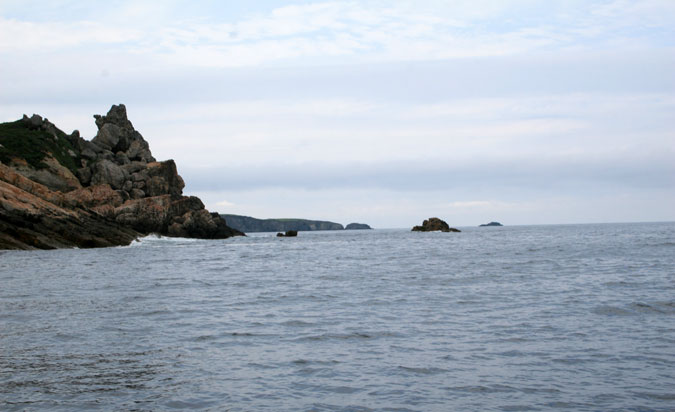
59, 190
357, 226
491, 224
434, 224
289, 233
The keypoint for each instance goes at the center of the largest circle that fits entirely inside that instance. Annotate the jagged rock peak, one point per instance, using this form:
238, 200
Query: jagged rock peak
117, 134
36, 122
117, 115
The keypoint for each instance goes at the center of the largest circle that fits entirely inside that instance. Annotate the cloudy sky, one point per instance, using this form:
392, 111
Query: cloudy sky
384, 112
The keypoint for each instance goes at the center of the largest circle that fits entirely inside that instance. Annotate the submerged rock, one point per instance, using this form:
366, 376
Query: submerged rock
434, 224
289, 233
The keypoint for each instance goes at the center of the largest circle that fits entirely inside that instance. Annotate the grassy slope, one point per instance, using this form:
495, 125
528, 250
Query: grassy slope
33, 145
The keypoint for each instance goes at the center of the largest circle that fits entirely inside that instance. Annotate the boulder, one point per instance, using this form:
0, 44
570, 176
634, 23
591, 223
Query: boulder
139, 151
136, 194
108, 172
434, 224
108, 136
163, 179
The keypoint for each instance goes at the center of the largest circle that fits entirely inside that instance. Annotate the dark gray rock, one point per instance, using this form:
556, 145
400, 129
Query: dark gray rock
108, 136
34, 122
136, 193
140, 151
84, 175
88, 154
107, 155
124, 195
289, 233
110, 173
163, 178
134, 167
121, 159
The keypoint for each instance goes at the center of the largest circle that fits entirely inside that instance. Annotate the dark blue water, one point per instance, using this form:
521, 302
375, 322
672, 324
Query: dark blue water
578, 317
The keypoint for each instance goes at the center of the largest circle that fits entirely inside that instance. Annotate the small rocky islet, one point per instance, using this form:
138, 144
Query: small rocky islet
434, 224
491, 224
59, 190
358, 226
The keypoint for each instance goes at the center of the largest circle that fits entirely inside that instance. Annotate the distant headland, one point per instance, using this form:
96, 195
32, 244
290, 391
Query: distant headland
59, 190
248, 224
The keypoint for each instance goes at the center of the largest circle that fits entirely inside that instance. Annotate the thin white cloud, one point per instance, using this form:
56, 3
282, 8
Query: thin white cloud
470, 204
357, 31
26, 36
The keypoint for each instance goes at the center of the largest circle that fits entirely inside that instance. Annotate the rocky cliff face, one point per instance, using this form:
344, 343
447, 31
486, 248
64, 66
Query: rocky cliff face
59, 190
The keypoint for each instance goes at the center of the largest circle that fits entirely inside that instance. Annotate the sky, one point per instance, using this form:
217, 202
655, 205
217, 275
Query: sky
381, 112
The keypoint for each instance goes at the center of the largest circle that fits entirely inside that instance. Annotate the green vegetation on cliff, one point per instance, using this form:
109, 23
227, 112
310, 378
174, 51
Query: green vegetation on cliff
19, 140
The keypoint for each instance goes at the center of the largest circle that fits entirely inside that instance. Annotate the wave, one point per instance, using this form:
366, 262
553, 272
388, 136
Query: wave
636, 308
159, 239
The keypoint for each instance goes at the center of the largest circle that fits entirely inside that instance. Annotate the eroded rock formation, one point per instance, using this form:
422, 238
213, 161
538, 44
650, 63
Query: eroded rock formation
59, 190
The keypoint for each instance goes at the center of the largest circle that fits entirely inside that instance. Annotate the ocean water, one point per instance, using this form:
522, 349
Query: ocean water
523, 318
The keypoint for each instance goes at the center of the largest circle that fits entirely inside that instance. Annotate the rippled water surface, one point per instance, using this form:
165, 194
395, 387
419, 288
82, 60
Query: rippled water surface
575, 317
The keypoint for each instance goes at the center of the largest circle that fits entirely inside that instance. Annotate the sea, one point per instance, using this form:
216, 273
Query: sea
514, 318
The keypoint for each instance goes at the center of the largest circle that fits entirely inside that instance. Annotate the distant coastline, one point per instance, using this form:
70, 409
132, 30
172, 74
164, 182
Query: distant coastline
251, 224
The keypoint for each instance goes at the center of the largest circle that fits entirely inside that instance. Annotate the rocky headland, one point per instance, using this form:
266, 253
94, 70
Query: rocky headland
59, 190
250, 224
434, 224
